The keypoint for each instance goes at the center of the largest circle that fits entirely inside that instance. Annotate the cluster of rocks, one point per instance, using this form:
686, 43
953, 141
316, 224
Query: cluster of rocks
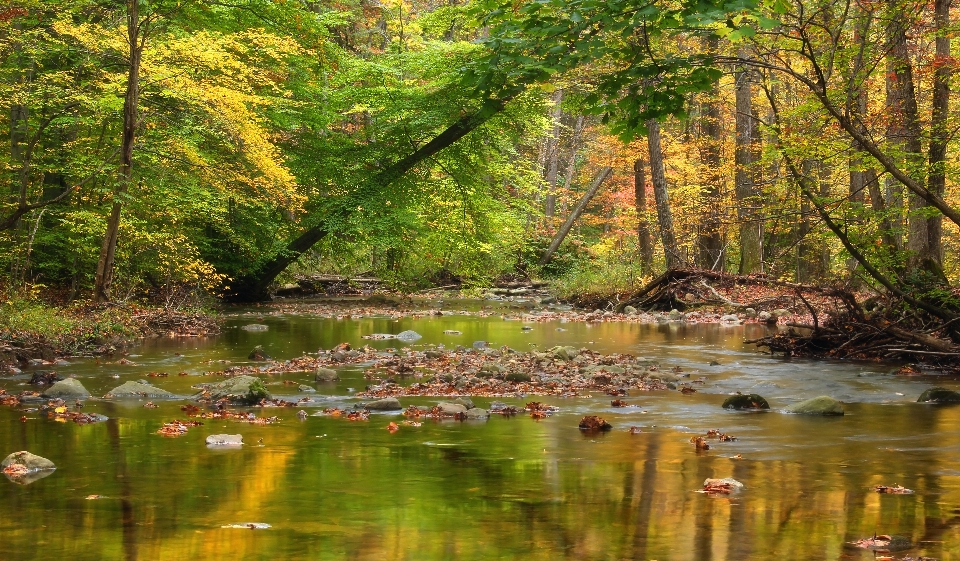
822, 405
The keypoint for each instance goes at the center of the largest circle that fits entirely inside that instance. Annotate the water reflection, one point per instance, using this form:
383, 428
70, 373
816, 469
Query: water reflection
504, 489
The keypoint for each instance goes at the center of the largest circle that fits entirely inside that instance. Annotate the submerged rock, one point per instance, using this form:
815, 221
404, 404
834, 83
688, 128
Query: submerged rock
745, 401
326, 375
232, 440
939, 395
71, 388
385, 404
24, 467
259, 354
138, 389
592, 423
255, 327
823, 405
241, 390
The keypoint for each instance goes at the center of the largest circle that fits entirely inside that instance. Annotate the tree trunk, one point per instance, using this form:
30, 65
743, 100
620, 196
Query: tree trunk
904, 134
938, 123
711, 252
552, 166
640, 204
105, 266
574, 150
575, 214
749, 201
658, 177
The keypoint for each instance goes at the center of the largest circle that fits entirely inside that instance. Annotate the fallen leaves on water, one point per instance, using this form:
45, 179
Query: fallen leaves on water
635, 430
16, 470
392, 427
593, 423
618, 403
893, 490
882, 542
177, 427
241, 416
718, 487
94, 497
719, 435
150, 405
248, 526
700, 443
358, 416
687, 390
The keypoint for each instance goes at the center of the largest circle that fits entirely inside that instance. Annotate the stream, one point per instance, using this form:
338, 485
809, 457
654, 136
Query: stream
504, 488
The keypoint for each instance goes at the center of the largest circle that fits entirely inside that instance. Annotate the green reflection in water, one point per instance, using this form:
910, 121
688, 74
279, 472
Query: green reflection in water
503, 489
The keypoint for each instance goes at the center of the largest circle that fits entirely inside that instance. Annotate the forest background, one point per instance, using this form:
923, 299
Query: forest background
161, 147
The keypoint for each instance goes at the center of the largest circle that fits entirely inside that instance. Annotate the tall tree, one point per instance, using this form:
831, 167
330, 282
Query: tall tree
749, 202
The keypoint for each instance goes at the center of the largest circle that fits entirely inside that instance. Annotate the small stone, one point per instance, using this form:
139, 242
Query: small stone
726, 481
517, 377
232, 440
306, 389
477, 413
479, 345
730, 318
71, 388
750, 312
385, 404
255, 327
675, 315
630, 310
823, 405
24, 467
409, 336
766, 317
939, 395
745, 401
138, 389
448, 408
326, 375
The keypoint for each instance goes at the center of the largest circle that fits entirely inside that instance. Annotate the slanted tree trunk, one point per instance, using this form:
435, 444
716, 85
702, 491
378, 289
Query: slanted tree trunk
640, 204
749, 202
136, 38
658, 177
253, 286
575, 214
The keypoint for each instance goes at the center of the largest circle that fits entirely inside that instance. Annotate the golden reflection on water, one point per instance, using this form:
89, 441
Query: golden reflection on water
504, 489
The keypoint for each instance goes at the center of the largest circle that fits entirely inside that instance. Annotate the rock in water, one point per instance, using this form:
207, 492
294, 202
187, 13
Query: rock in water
138, 389
44, 378
448, 408
477, 413
326, 375
255, 327
25, 468
408, 336
232, 440
939, 395
241, 390
71, 388
823, 405
592, 423
745, 401
630, 310
385, 404
259, 354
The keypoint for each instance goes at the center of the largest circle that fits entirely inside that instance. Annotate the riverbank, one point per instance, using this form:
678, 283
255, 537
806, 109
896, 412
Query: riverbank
37, 332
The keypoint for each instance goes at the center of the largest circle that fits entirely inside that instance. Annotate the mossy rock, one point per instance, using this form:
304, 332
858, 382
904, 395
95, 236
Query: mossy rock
517, 377
137, 390
241, 390
326, 375
71, 388
822, 405
939, 395
746, 401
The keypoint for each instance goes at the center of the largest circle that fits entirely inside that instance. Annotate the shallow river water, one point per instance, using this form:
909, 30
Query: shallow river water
506, 488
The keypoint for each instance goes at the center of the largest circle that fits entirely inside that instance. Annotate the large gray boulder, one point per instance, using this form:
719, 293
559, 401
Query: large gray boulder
138, 389
823, 405
448, 408
477, 414
71, 388
409, 336
385, 404
25, 468
240, 390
